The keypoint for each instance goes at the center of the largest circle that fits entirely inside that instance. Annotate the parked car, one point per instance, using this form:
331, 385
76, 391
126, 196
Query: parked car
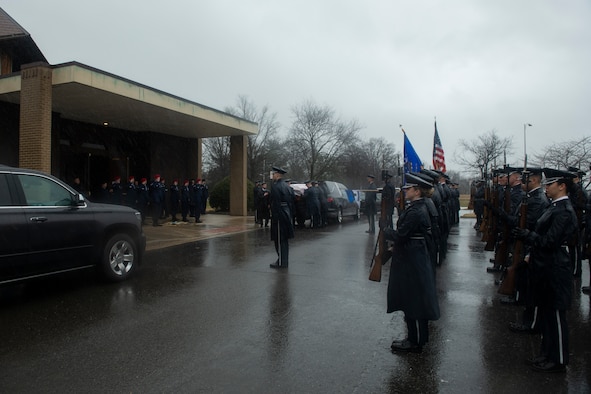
46, 228
341, 201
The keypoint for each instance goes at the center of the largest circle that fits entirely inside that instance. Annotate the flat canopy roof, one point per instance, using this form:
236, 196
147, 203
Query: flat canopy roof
89, 95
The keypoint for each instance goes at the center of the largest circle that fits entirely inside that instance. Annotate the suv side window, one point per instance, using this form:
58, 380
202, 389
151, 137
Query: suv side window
40, 191
331, 188
4, 192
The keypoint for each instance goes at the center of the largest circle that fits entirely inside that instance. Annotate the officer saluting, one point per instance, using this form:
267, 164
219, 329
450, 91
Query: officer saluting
281, 199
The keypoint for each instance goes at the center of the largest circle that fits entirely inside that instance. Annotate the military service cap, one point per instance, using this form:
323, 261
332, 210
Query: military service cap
553, 175
279, 170
416, 181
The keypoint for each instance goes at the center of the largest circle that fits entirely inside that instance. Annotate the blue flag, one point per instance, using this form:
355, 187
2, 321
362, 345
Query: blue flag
412, 162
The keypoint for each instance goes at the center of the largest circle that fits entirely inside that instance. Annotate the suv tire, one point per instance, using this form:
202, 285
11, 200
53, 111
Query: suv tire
119, 258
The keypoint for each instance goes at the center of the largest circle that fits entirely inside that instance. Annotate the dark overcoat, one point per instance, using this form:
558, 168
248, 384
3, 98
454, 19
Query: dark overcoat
411, 286
263, 204
282, 198
371, 199
552, 276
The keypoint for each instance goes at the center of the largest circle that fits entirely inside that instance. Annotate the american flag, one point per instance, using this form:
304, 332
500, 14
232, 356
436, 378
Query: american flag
438, 154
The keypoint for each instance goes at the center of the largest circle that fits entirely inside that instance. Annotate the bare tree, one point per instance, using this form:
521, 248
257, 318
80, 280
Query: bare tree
367, 157
318, 139
576, 153
259, 150
482, 153
216, 158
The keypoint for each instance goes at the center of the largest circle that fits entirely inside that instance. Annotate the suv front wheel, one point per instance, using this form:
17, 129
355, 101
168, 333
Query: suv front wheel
119, 257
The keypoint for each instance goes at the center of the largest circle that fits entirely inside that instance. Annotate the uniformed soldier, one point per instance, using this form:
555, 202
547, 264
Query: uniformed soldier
156, 199
500, 259
116, 191
437, 201
131, 193
312, 197
175, 199
255, 194
204, 196
411, 285
537, 204
578, 198
281, 199
263, 207
370, 203
185, 200
435, 238
389, 196
478, 202
143, 198
196, 200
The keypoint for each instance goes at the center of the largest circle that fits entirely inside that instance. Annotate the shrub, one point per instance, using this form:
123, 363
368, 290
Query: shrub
219, 195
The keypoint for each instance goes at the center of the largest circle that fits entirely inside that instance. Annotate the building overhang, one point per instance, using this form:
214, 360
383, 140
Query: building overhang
85, 94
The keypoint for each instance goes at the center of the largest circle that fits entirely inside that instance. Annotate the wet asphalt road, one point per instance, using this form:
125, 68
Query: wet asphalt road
211, 316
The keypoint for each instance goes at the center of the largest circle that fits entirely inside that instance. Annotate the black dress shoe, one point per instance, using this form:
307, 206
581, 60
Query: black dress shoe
586, 289
277, 266
521, 328
536, 360
406, 346
398, 342
494, 269
508, 300
549, 366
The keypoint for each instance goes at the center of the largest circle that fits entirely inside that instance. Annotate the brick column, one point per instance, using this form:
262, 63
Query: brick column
35, 117
238, 175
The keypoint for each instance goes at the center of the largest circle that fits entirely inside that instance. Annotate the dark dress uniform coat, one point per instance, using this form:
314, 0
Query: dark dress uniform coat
411, 286
282, 198
552, 276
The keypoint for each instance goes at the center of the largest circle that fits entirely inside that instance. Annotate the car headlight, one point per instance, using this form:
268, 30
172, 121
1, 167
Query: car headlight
138, 216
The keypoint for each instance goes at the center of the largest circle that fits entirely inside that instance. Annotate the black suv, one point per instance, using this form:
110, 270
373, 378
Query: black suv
340, 201
46, 227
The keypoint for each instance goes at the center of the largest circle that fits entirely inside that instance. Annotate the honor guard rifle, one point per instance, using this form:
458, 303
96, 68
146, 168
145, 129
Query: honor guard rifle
381, 253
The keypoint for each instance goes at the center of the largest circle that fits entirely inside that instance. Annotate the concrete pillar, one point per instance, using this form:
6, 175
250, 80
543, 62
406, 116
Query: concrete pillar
238, 181
199, 158
35, 117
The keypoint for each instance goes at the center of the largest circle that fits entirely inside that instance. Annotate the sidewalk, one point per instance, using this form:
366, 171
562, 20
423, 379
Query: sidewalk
213, 225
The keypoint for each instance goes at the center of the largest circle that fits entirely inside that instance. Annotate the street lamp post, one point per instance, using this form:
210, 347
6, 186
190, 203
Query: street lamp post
525, 146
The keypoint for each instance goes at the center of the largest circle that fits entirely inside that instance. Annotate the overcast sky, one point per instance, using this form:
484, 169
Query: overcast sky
476, 65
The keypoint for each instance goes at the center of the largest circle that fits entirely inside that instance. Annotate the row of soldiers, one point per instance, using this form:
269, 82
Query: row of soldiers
446, 201
502, 199
156, 198
535, 220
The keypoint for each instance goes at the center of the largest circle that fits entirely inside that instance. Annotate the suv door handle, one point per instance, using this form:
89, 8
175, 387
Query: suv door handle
38, 219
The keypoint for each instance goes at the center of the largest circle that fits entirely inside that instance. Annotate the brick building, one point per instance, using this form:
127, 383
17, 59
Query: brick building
72, 120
